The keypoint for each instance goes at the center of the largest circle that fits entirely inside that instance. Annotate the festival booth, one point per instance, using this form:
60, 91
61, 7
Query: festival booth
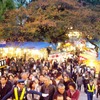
87, 53
89, 57
60, 56
28, 50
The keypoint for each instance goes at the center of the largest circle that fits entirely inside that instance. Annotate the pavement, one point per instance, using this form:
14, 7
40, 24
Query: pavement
83, 96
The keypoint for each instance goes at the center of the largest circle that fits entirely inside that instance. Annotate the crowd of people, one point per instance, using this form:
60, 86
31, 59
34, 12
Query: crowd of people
47, 80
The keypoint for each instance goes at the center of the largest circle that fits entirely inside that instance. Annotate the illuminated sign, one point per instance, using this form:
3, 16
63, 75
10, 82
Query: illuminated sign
2, 63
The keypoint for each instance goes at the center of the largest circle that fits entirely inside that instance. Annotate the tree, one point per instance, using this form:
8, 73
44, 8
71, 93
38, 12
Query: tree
50, 20
4, 6
93, 2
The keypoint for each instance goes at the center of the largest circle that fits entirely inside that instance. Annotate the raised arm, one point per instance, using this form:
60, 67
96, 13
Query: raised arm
34, 92
8, 95
38, 93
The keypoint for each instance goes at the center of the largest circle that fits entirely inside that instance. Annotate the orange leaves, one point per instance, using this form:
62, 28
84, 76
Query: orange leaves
49, 23
54, 16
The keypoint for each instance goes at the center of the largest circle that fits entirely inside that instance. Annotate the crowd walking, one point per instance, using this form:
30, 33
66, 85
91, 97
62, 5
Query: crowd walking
47, 80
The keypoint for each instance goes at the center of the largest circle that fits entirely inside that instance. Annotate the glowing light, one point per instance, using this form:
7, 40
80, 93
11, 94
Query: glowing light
91, 63
59, 44
5, 50
74, 34
25, 50
11, 48
70, 28
36, 52
18, 50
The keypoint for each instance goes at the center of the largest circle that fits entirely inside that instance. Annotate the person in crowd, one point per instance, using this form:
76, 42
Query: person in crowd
47, 88
55, 64
31, 77
90, 90
33, 86
85, 82
98, 85
59, 72
11, 78
5, 86
67, 80
20, 92
45, 70
63, 65
37, 88
16, 78
7, 60
74, 76
60, 94
79, 81
59, 78
72, 93
24, 76
93, 73
41, 79
13, 66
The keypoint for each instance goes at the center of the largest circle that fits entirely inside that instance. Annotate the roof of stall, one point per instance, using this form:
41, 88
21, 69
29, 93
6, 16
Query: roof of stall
36, 45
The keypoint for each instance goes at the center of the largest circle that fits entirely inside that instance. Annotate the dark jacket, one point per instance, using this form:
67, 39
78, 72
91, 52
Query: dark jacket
11, 94
5, 90
49, 90
98, 83
67, 83
58, 94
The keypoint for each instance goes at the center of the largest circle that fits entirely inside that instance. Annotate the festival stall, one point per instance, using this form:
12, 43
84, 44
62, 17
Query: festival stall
35, 50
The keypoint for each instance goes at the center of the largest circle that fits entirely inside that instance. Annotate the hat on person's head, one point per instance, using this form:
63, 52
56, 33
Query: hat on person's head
21, 81
91, 80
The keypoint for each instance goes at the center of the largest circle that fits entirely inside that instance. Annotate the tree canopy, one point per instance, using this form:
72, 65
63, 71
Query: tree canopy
93, 2
50, 20
4, 6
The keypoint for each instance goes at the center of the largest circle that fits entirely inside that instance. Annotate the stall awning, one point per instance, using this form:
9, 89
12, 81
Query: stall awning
30, 45
36, 45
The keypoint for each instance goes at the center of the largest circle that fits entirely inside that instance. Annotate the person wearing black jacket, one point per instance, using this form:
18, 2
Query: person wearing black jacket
5, 86
47, 88
60, 93
66, 82
19, 92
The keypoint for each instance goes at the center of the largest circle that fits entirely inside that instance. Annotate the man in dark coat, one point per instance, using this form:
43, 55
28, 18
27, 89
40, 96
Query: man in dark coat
47, 88
20, 92
5, 87
60, 93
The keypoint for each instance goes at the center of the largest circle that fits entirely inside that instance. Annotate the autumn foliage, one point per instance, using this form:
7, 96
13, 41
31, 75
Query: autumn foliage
49, 20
